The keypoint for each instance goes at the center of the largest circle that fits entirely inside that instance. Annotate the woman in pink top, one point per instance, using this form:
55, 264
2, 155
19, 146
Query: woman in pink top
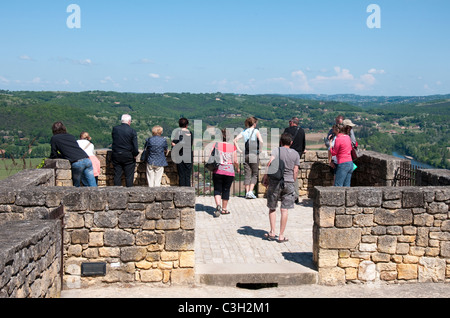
342, 149
223, 176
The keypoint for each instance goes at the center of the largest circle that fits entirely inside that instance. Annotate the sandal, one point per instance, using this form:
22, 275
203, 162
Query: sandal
225, 212
284, 240
218, 211
269, 237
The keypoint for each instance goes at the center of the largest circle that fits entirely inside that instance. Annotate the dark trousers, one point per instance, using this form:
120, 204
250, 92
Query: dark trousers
123, 162
222, 185
184, 174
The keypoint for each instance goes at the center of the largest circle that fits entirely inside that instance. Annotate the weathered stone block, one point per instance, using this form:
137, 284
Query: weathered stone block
324, 216
30, 198
412, 198
431, 270
407, 271
80, 236
76, 200
331, 276
131, 219
184, 199
182, 276
437, 207
445, 249
187, 219
97, 200
368, 197
330, 196
146, 238
387, 244
106, 220
132, 254
152, 275
154, 211
118, 238
393, 217
339, 238
367, 271
117, 200
179, 240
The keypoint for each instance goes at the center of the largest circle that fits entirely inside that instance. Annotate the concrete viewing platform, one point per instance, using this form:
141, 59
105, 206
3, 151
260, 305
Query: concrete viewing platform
231, 250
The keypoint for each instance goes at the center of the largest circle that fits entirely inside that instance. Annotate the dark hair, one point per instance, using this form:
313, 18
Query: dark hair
295, 120
224, 135
249, 122
59, 128
285, 139
183, 122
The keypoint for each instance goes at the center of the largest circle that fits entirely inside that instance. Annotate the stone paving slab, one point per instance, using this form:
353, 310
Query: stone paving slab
232, 247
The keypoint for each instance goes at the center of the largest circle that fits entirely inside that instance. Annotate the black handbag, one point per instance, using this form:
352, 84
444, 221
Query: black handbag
145, 153
214, 160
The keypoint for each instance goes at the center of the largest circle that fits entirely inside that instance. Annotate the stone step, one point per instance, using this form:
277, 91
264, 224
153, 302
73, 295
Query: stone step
255, 274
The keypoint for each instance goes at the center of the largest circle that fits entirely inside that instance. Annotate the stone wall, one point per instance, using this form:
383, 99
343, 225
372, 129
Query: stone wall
388, 234
314, 171
30, 259
140, 234
433, 177
376, 169
106, 178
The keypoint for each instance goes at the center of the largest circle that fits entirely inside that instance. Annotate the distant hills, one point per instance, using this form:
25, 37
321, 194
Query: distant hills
416, 126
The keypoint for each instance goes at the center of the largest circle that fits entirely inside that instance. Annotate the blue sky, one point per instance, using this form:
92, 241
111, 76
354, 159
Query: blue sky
245, 46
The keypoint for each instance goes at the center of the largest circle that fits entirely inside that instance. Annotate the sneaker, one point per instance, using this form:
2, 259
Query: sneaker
218, 211
251, 195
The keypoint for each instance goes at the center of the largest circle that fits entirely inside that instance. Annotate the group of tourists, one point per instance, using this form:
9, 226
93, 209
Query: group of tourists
280, 179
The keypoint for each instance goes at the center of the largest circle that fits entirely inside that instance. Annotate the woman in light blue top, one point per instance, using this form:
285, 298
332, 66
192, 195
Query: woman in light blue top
253, 142
156, 161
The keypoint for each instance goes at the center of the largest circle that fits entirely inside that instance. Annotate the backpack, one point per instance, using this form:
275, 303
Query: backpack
276, 172
247, 144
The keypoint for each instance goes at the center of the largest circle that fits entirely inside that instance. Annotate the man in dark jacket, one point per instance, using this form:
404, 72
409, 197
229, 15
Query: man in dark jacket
124, 152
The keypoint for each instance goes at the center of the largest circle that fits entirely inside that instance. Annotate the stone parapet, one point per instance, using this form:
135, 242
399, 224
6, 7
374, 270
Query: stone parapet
314, 171
376, 169
382, 234
433, 177
106, 178
30, 259
140, 234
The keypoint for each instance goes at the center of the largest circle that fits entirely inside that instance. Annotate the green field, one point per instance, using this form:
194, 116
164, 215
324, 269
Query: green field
9, 167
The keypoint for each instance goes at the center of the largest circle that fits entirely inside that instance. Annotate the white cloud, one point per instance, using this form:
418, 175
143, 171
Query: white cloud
86, 62
341, 75
375, 71
300, 81
153, 75
4, 80
109, 80
143, 61
26, 58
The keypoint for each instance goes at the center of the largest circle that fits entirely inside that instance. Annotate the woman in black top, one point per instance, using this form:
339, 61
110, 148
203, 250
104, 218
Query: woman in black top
65, 146
182, 140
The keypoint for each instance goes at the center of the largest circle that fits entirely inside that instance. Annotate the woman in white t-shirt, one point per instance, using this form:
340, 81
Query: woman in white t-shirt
253, 142
85, 143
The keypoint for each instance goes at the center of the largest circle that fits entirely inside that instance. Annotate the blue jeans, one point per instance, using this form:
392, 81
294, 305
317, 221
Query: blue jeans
82, 171
343, 175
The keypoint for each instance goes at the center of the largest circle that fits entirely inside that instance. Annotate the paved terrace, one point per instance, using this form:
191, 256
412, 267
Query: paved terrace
231, 250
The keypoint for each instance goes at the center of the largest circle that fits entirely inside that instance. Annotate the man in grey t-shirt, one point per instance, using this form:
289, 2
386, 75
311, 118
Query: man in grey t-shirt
275, 191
